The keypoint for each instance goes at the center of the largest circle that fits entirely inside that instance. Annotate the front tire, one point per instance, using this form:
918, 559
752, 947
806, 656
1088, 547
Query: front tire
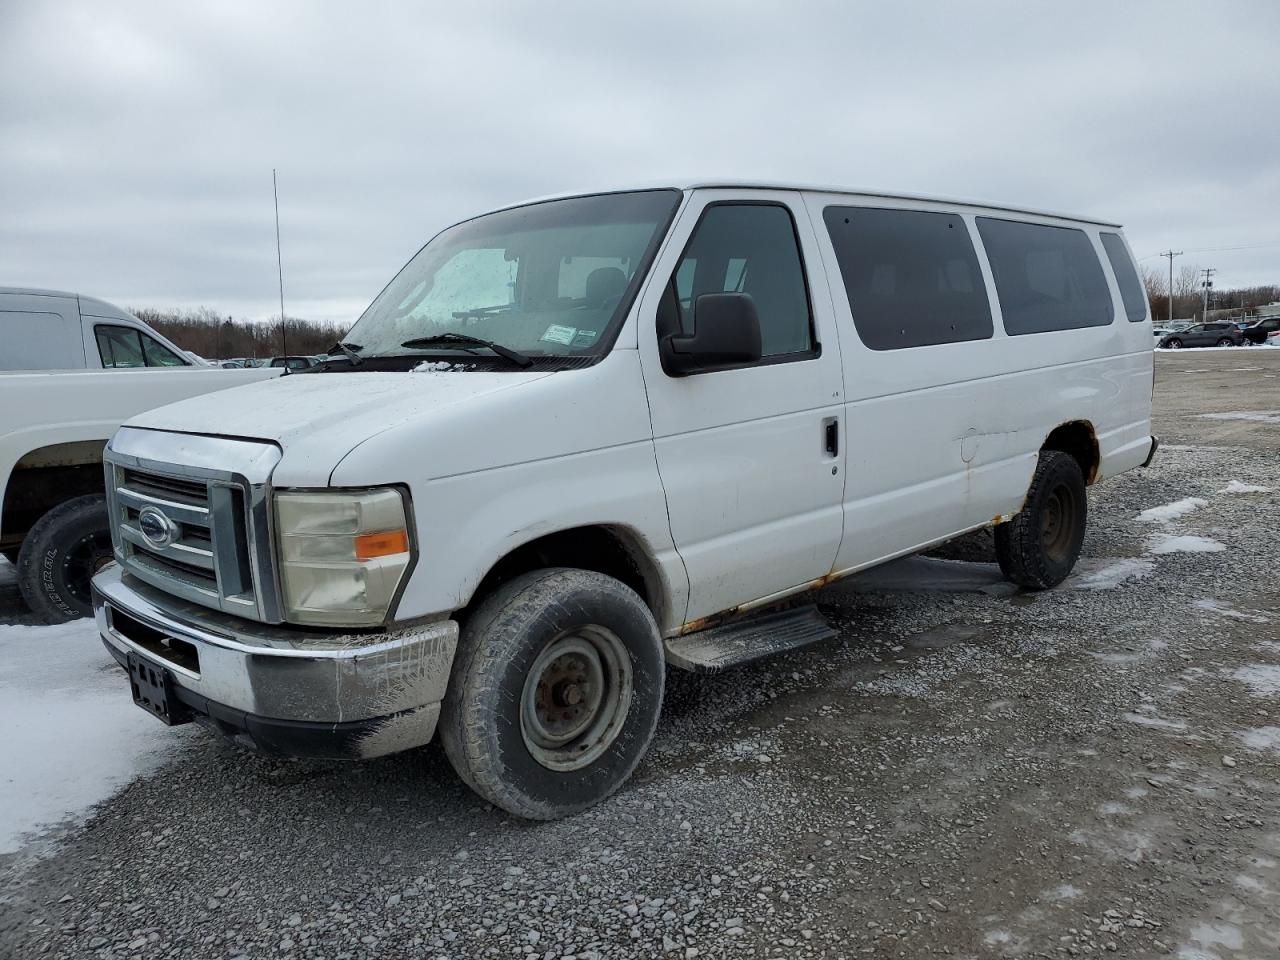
555, 692
1038, 548
59, 557
1174, 344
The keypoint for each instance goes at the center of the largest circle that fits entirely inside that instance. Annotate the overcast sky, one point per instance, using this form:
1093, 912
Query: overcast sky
137, 140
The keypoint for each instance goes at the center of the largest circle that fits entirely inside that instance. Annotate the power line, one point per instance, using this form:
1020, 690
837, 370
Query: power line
1247, 246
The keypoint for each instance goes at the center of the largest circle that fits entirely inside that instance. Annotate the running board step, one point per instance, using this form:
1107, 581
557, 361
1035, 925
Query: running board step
733, 644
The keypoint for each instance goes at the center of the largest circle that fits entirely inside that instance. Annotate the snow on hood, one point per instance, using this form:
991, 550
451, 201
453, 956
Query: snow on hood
318, 418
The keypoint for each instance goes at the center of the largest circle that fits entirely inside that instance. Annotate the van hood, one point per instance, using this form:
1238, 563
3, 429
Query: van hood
318, 418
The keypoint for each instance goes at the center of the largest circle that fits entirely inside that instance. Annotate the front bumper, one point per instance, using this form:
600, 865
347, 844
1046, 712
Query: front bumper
284, 691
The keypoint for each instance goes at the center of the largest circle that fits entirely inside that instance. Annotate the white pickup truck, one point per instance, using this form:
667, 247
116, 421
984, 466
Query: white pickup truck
581, 440
72, 369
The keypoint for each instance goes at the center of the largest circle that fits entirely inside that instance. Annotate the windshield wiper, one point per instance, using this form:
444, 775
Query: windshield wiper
465, 340
349, 350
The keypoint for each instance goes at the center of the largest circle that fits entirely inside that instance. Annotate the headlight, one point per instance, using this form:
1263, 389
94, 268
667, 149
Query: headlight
342, 554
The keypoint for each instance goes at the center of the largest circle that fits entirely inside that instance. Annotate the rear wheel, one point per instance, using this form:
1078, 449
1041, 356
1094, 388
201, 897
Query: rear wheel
1039, 547
555, 692
59, 557
1225, 342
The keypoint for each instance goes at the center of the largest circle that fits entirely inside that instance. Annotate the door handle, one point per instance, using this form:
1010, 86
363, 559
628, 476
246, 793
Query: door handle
831, 435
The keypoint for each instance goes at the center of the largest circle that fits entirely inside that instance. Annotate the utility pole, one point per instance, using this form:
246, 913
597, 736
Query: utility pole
284, 331
1208, 285
1171, 254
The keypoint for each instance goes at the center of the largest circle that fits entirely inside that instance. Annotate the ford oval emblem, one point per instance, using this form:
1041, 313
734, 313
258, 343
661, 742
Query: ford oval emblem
156, 527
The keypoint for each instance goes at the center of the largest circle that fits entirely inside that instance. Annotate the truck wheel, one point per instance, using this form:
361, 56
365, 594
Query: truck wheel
1039, 547
555, 692
63, 551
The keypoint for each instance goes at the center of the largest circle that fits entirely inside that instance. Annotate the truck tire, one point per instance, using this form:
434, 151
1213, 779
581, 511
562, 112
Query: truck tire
60, 555
555, 692
1039, 547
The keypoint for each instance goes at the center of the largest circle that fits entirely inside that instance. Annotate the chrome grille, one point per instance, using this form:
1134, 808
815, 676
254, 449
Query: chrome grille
208, 519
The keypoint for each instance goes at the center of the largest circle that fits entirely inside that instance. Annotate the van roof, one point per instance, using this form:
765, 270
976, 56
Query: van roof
91, 306
729, 183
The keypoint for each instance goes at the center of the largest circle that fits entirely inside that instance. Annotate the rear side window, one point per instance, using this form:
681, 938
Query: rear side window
750, 248
912, 276
1131, 292
1047, 278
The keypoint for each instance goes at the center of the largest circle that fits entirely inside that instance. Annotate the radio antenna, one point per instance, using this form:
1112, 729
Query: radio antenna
284, 332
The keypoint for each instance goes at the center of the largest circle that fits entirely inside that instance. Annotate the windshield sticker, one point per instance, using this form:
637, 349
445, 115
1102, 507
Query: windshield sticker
558, 334
584, 338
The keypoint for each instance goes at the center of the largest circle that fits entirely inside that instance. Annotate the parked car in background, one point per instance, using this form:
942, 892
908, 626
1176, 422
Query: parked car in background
294, 362
679, 411
1257, 333
72, 368
1220, 334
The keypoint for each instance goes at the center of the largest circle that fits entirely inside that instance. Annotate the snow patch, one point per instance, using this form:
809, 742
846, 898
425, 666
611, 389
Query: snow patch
1170, 511
8, 573
439, 366
1235, 486
1261, 738
1163, 543
72, 733
1158, 723
1263, 679
1225, 610
1253, 416
1111, 575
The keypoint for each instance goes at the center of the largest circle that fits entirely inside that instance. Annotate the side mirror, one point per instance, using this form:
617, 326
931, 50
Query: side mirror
726, 332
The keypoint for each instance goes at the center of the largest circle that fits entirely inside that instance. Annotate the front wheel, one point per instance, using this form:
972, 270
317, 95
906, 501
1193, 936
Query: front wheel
555, 692
60, 555
1039, 547
1174, 344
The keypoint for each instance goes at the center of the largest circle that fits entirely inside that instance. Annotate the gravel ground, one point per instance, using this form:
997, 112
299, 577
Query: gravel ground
968, 770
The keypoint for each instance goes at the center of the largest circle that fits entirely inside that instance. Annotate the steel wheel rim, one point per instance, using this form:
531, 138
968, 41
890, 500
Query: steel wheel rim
1058, 522
576, 698
85, 557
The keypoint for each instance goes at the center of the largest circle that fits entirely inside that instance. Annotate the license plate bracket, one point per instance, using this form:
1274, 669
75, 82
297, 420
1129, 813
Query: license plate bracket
153, 690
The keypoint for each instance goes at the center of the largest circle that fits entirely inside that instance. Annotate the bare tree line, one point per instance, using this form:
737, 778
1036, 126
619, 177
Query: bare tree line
217, 337
1188, 295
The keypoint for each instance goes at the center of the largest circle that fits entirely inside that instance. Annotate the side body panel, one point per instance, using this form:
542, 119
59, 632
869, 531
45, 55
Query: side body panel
41, 332
944, 438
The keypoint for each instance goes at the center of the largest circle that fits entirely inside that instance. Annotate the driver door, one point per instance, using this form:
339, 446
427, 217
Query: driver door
751, 457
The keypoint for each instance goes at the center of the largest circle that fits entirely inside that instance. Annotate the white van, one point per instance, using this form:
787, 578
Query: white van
582, 439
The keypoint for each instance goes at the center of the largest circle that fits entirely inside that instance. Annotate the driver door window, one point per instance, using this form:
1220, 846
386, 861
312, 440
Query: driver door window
125, 347
752, 249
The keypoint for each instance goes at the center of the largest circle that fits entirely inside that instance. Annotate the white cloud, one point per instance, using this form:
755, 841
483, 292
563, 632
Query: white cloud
139, 138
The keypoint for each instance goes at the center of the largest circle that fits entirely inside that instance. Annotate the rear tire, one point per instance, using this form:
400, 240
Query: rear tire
1226, 342
555, 692
59, 557
1038, 548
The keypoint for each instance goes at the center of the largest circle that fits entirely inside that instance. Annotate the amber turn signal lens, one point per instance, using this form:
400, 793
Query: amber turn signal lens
386, 544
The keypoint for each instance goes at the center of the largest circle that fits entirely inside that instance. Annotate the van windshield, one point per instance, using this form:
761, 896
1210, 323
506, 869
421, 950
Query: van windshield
547, 279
